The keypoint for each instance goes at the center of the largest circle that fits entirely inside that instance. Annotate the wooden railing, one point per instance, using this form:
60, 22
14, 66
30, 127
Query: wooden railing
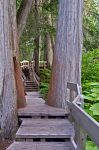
83, 120
36, 78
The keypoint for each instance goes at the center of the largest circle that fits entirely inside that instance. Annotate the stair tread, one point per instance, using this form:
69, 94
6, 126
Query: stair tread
30, 87
45, 128
41, 145
39, 108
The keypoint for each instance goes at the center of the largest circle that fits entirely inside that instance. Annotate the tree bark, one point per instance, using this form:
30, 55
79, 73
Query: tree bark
67, 54
8, 100
36, 52
48, 52
21, 101
49, 44
22, 15
36, 40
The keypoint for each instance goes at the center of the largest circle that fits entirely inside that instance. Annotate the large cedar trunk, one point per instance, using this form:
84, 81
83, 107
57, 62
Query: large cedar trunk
8, 99
67, 54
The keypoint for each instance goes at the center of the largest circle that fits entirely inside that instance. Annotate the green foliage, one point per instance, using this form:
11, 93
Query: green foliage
50, 8
91, 99
91, 25
91, 146
90, 67
90, 83
44, 89
45, 75
91, 96
46, 9
95, 109
27, 39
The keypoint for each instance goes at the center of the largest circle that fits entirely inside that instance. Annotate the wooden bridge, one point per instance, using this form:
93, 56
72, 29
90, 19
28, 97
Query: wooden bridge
43, 127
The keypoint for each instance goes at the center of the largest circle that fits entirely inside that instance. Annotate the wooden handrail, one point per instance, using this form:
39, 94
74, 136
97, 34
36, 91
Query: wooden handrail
36, 79
90, 125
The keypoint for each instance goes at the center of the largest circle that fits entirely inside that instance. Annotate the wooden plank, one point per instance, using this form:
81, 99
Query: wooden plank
40, 146
37, 107
35, 101
86, 122
41, 110
45, 128
33, 93
72, 86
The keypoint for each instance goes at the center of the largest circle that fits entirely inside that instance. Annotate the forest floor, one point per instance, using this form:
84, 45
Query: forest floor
5, 144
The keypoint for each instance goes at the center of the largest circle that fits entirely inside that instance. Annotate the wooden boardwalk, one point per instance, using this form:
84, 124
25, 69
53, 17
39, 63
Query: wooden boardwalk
43, 127
36, 107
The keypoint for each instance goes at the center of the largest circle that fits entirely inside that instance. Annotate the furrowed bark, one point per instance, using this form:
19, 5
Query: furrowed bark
67, 53
8, 99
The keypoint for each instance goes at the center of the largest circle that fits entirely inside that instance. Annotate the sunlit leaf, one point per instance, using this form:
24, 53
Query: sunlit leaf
95, 109
89, 145
96, 90
89, 97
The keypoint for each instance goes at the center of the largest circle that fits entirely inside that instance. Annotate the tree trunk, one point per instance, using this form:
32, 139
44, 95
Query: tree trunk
21, 101
49, 45
8, 101
53, 42
48, 52
36, 52
36, 40
67, 54
23, 15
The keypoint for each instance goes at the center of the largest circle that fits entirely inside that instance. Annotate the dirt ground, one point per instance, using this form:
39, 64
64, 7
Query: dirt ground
4, 144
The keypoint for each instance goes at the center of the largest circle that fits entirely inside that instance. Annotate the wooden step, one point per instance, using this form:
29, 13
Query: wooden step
31, 85
35, 89
45, 129
28, 87
31, 90
33, 95
38, 108
41, 146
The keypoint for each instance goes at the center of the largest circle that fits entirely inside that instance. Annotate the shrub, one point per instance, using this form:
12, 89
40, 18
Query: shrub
45, 75
90, 66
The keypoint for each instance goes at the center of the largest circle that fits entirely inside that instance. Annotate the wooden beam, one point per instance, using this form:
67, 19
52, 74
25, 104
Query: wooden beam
72, 86
90, 125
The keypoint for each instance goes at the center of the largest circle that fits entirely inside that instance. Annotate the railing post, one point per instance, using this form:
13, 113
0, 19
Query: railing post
80, 135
